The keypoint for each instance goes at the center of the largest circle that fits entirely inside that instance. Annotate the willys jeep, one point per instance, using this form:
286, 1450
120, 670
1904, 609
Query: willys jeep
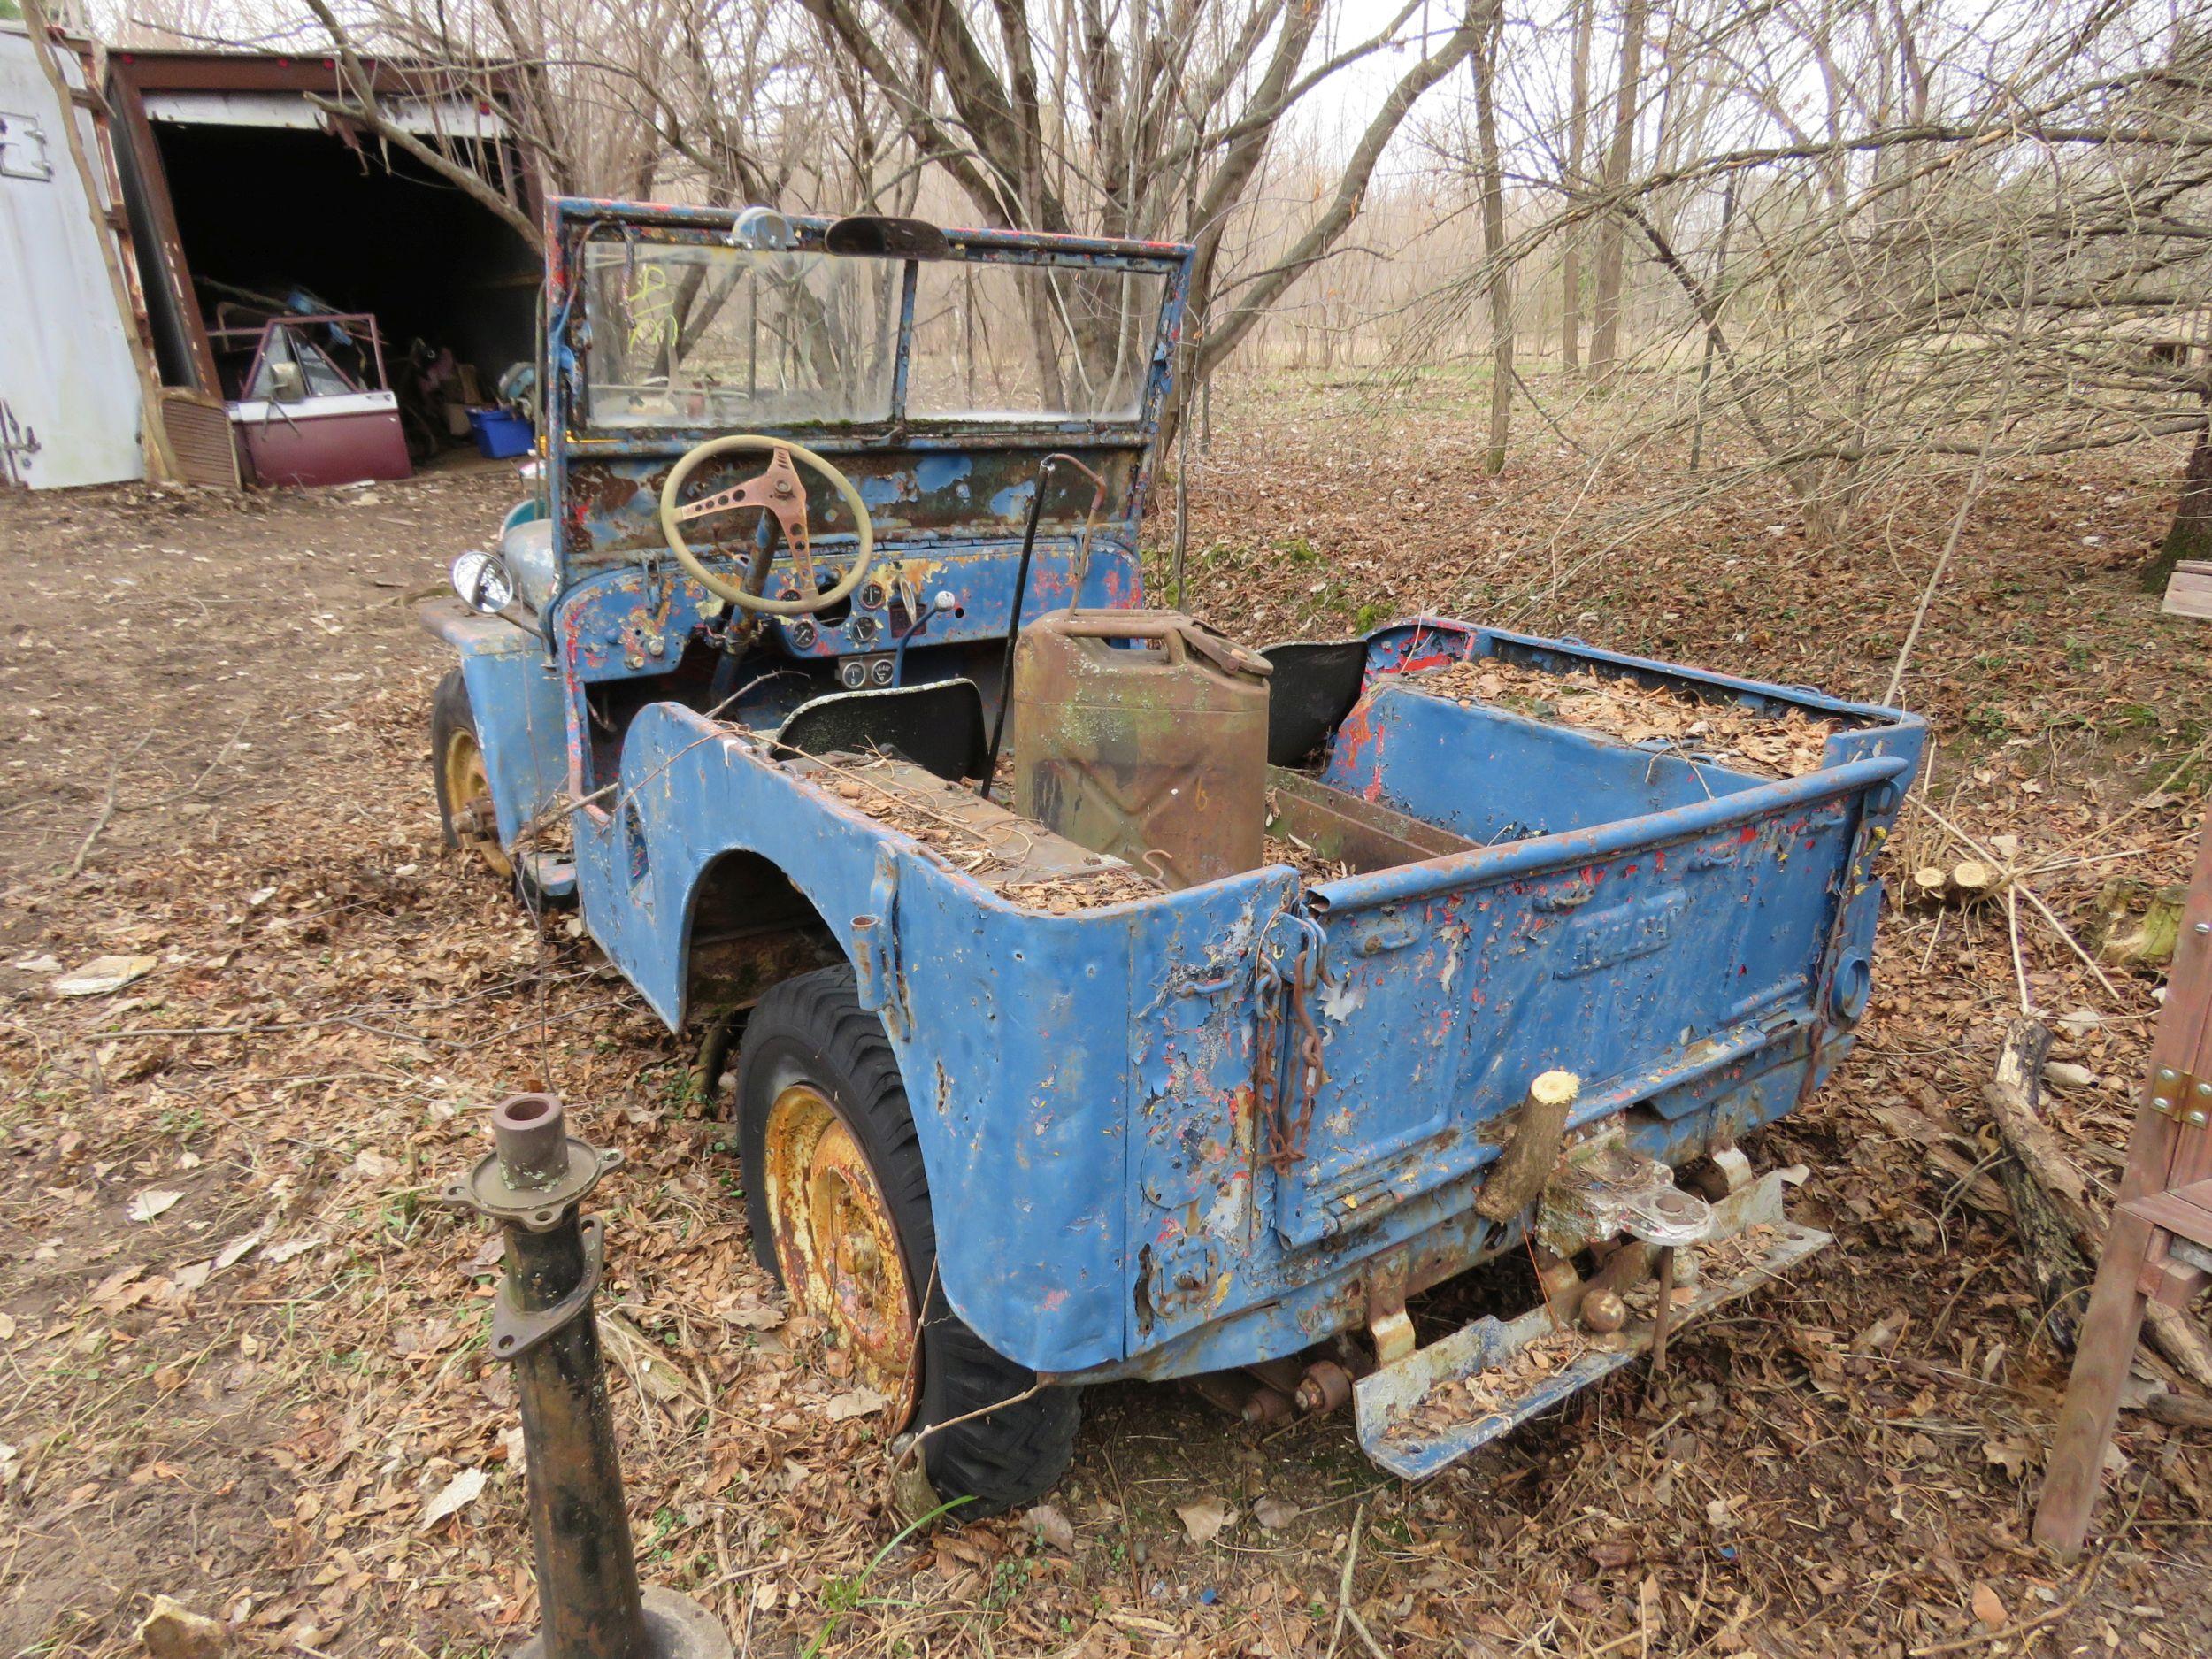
1217, 1002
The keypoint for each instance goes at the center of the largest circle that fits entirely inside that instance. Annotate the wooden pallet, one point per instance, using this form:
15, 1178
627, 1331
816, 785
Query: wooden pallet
2159, 1246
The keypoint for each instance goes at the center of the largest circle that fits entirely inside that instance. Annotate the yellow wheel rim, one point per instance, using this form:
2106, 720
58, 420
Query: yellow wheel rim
468, 791
837, 1245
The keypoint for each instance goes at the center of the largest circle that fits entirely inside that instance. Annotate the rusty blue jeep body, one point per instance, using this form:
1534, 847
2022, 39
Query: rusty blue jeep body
1091, 1088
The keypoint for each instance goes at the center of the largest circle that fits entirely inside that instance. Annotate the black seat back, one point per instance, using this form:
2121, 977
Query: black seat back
937, 727
1314, 685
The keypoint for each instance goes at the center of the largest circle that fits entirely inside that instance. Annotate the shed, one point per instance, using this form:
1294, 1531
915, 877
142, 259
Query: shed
248, 197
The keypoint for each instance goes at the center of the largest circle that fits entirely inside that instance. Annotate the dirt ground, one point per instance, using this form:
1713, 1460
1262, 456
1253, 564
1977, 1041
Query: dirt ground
242, 1360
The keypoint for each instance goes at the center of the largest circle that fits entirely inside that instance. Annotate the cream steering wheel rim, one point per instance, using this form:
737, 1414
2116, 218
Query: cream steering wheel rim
746, 442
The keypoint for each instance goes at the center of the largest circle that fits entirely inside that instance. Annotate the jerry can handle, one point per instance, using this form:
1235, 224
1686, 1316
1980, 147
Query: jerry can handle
1180, 633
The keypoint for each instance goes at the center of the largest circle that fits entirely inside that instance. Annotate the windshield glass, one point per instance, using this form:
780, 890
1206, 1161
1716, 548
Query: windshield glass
704, 334
1013, 341
684, 334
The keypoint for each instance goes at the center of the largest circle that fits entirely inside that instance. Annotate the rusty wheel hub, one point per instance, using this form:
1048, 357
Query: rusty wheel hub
468, 790
839, 1247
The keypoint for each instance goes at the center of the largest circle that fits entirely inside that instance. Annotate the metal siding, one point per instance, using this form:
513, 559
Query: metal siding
65, 368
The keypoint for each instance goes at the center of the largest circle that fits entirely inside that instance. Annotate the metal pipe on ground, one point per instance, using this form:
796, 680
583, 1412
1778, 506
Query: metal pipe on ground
532, 1184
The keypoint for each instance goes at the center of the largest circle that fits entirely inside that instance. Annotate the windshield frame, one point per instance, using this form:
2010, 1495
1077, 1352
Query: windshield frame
574, 224
597, 484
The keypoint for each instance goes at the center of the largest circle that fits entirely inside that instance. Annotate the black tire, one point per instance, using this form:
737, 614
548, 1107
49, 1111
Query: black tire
812, 1028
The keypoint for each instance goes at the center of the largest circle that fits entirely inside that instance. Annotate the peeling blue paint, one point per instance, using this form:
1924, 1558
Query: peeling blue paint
1690, 940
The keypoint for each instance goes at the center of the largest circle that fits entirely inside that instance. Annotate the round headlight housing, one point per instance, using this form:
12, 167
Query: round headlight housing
483, 581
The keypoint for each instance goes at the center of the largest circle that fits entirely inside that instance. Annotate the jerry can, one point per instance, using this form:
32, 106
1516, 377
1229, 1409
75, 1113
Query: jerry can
1143, 733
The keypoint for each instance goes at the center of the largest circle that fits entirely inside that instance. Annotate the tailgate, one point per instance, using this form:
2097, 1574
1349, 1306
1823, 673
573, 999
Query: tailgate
1636, 955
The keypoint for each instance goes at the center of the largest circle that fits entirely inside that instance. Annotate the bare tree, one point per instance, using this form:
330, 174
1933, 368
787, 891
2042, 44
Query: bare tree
1586, 17
1492, 187
1967, 211
1166, 114
1620, 152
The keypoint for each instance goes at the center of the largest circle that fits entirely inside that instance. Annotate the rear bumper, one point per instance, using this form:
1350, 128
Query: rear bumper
1433, 1408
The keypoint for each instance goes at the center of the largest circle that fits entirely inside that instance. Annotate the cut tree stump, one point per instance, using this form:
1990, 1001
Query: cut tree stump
2141, 923
1532, 1150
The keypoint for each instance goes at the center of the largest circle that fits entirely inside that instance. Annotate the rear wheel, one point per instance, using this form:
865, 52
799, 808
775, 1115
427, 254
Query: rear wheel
465, 788
839, 1207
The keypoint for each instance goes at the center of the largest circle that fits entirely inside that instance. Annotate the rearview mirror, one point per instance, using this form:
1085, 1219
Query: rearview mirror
287, 383
483, 581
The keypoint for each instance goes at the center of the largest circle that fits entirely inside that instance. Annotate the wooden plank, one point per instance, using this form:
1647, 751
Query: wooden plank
2186, 1213
2103, 1355
2165, 1152
2189, 594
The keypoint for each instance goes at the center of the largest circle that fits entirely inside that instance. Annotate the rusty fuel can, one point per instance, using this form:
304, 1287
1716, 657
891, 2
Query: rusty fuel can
1143, 733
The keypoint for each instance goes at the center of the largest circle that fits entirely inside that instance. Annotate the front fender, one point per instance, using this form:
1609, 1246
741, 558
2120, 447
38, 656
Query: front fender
522, 724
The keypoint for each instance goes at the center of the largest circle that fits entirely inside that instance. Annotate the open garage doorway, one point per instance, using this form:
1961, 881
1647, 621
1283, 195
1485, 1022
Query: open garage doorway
289, 256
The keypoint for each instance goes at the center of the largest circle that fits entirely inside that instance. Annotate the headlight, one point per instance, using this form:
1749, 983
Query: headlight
483, 581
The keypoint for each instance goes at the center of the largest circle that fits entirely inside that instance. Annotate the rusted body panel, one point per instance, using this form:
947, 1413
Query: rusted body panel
1210, 1126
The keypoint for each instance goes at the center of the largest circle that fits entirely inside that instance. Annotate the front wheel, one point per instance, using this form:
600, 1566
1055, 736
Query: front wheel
465, 788
841, 1215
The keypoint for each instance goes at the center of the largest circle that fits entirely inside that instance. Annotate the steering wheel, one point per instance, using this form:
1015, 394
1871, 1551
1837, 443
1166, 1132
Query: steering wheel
779, 491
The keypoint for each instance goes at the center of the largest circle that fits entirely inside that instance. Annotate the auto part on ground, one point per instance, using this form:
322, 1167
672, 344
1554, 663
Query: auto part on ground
1143, 733
542, 1324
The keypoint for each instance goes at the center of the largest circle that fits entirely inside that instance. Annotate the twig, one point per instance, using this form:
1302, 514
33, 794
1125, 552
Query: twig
107, 807
1359, 1627
1974, 483
2012, 922
2045, 910
206, 772
1344, 1583
2049, 1615
2142, 802
1121, 1500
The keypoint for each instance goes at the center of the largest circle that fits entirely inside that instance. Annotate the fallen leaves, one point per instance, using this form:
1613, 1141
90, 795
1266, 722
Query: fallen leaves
853, 1403
1051, 1527
455, 1495
102, 975
1206, 1519
1673, 715
152, 1202
173, 1631
1988, 1608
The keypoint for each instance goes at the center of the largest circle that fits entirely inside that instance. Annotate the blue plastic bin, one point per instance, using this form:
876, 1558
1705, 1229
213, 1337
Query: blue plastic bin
500, 434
